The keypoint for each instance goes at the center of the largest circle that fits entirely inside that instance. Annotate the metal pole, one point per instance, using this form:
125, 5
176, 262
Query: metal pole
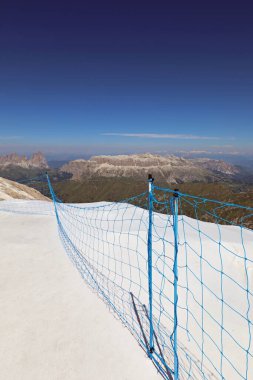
150, 280
175, 271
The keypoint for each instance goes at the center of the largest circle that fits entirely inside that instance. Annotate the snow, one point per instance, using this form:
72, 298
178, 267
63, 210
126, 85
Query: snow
221, 326
54, 327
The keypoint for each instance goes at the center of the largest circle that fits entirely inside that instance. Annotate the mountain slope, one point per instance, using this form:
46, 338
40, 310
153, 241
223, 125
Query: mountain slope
13, 190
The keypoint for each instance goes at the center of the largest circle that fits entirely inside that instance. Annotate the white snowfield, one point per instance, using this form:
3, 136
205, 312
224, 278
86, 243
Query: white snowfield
54, 327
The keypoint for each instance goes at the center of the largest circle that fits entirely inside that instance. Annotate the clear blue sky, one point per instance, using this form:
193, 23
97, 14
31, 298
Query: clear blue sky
117, 76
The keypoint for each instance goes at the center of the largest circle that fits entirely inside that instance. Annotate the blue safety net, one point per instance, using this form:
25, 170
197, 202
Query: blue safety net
176, 269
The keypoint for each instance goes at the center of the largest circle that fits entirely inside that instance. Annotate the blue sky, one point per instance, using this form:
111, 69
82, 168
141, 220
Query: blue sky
110, 77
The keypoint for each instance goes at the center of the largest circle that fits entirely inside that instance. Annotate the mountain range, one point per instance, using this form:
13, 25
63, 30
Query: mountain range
169, 169
37, 160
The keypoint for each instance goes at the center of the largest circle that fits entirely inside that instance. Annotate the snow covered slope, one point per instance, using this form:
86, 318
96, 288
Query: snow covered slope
215, 282
51, 325
215, 303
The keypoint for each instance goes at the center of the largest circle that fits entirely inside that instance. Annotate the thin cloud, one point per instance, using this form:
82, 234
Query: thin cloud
162, 136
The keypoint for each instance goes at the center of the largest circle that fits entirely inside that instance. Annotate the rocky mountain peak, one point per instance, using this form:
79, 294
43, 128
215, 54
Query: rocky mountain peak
37, 160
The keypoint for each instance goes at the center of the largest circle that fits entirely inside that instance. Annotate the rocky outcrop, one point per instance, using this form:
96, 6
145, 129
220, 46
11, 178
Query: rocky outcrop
169, 168
37, 160
13, 190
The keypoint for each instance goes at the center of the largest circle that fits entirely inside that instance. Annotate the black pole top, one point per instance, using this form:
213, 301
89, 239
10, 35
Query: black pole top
175, 194
150, 178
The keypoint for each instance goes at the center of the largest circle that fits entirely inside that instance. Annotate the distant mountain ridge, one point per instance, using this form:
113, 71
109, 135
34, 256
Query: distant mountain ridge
171, 169
37, 160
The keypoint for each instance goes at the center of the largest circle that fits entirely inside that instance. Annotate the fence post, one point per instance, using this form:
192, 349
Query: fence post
175, 271
150, 280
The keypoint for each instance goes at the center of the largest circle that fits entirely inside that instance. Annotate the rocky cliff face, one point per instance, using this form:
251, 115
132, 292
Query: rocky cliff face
37, 160
169, 168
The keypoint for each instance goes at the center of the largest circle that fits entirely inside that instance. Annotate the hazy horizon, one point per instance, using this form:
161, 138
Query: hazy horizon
236, 158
